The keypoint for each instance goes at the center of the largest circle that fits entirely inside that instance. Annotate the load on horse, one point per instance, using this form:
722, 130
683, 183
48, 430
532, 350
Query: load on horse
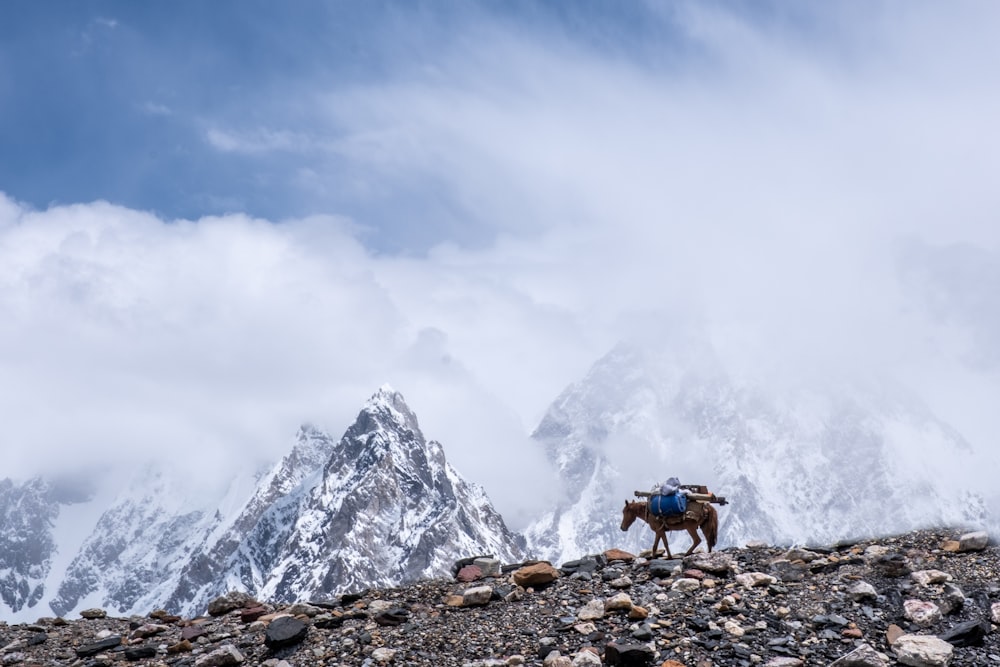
675, 506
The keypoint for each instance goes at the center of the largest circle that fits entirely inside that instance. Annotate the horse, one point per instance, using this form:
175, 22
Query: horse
709, 525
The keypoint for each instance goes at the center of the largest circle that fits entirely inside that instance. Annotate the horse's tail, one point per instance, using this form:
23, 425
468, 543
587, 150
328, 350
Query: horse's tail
711, 526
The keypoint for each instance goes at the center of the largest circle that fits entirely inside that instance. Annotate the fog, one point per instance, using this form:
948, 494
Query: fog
817, 195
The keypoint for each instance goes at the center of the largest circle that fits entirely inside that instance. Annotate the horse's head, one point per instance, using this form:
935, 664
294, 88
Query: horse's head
629, 515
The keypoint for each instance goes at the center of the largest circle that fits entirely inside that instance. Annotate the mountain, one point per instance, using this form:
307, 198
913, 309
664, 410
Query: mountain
27, 547
381, 506
388, 508
798, 465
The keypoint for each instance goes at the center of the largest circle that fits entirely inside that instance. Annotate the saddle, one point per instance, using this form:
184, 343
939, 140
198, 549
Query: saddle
695, 511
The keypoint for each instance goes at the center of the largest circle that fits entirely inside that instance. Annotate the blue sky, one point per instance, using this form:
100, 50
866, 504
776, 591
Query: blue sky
221, 219
116, 100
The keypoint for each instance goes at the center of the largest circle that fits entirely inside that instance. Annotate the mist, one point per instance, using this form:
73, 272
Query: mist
496, 210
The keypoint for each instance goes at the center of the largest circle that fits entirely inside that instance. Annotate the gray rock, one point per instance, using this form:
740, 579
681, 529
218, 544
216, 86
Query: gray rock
923, 651
976, 541
862, 656
285, 631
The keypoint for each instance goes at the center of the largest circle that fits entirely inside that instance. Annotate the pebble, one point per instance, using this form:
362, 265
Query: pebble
839, 606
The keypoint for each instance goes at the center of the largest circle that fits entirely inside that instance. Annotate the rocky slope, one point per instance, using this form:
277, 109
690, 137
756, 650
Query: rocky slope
921, 598
379, 506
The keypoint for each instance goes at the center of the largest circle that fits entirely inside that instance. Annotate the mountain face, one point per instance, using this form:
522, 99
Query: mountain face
800, 466
387, 508
381, 506
27, 545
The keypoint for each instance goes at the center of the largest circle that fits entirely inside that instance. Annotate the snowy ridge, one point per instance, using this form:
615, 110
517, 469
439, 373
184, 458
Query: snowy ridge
803, 466
388, 509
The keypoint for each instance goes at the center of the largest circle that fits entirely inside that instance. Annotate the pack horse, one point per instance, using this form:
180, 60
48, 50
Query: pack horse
690, 511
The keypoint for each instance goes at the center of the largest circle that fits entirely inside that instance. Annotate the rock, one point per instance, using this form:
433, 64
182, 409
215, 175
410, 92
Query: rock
479, 595
628, 654
754, 579
383, 655
924, 614
787, 571
803, 555
617, 555
662, 569
892, 633
134, 653
398, 615
285, 631
784, 662
713, 563
922, 651
976, 541
619, 602
148, 630
685, 585
995, 612
637, 613
469, 573
490, 567
929, 577
303, 609
586, 658
862, 590
862, 656
970, 633
952, 599
251, 614
591, 611
227, 654
105, 644
230, 601
951, 546
892, 565
183, 646
538, 574
93, 613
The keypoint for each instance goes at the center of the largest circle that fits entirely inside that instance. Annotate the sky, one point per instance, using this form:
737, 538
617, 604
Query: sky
221, 220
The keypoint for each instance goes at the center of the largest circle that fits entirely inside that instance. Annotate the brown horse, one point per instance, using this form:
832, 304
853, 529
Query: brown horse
709, 525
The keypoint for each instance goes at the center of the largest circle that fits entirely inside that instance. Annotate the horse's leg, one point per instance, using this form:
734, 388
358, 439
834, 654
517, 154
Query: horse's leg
666, 544
695, 540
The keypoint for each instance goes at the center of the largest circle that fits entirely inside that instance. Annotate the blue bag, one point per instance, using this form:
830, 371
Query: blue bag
675, 503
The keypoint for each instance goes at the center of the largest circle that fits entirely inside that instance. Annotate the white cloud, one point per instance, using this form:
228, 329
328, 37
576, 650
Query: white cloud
759, 182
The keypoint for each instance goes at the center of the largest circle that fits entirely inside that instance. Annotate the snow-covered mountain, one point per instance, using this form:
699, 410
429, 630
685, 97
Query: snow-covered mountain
27, 512
799, 465
381, 506
387, 508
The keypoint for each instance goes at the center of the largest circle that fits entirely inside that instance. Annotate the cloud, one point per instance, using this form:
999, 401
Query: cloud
504, 204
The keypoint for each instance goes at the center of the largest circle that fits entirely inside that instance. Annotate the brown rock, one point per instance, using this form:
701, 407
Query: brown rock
252, 614
672, 663
618, 555
638, 613
853, 633
892, 633
538, 574
183, 646
469, 573
454, 601
951, 546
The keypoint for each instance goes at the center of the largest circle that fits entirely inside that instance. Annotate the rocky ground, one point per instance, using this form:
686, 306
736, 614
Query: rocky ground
923, 598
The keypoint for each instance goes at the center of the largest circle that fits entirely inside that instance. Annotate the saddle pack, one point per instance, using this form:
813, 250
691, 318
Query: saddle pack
675, 503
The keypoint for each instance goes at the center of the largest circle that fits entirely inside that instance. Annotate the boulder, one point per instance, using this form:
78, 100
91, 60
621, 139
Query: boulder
923, 651
538, 574
976, 541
